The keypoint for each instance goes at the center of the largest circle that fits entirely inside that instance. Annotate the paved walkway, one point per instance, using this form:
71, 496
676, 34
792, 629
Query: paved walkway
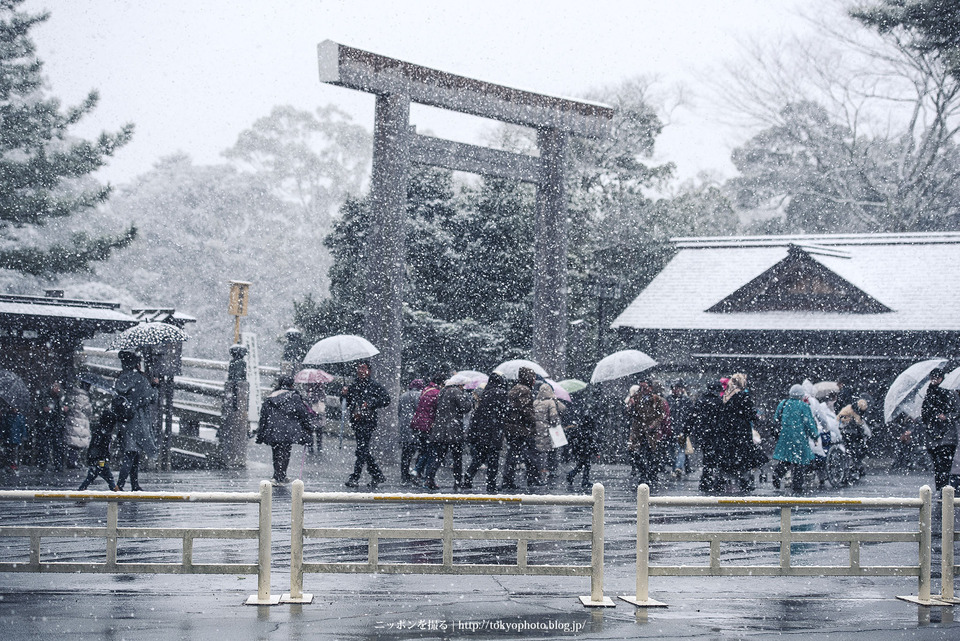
398, 607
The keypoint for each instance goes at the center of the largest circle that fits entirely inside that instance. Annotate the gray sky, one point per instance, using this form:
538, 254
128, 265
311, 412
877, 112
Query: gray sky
191, 74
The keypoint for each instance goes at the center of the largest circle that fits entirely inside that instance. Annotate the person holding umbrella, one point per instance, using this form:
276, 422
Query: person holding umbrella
941, 414
364, 397
136, 411
284, 420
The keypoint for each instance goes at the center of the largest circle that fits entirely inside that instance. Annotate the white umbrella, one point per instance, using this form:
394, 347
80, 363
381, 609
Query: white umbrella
620, 364
342, 348
470, 378
904, 390
824, 388
951, 380
148, 335
511, 369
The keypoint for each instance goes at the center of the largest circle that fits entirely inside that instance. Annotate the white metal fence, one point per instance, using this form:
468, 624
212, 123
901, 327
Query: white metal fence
785, 536
113, 533
447, 534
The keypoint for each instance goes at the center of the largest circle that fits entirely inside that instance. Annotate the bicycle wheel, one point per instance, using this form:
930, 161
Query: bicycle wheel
838, 466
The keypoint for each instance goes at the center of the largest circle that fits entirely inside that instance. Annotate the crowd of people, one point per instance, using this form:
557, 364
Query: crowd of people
518, 433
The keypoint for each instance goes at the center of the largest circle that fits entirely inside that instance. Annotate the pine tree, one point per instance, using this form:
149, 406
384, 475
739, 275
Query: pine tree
44, 171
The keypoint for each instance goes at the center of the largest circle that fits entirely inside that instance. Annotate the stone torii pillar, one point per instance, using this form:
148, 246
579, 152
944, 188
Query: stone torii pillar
396, 84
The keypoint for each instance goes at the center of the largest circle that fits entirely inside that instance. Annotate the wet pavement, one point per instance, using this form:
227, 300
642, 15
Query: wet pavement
398, 607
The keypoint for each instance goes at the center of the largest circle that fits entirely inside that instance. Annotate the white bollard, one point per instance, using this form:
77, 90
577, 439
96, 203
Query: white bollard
296, 594
596, 598
946, 546
642, 596
263, 596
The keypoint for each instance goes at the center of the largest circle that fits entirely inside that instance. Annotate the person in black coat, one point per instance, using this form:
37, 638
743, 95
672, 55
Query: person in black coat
98, 454
364, 397
706, 426
941, 414
738, 416
486, 431
582, 436
284, 420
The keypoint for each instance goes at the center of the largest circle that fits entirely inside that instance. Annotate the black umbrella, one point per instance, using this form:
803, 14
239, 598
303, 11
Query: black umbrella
147, 335
14, 391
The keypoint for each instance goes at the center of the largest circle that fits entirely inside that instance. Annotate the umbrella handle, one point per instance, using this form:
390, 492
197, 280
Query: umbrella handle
343, 418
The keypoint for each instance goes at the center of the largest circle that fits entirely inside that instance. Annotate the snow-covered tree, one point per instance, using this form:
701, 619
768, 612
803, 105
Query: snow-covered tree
44, 170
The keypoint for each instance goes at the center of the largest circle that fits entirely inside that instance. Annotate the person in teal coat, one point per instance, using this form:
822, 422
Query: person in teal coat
797, 426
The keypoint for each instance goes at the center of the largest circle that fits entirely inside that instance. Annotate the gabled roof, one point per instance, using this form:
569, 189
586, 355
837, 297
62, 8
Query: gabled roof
898, 282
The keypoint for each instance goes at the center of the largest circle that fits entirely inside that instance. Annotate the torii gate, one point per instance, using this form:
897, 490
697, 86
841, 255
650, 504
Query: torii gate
397, 84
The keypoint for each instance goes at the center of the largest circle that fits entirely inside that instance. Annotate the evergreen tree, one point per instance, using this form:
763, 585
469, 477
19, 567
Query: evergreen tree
44, 172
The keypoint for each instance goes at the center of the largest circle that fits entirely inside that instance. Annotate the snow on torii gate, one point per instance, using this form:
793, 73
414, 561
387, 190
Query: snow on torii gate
397, 84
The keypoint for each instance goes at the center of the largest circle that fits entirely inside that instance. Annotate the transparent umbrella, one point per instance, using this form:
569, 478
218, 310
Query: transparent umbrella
312, 376
951, 380
511, 369
904, 391
619, 364
573, 385
14, 391
469, 378
341, 348
148, 335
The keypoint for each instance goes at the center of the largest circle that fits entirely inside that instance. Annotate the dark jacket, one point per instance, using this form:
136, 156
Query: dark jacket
364, 398
521, 420
452, 405
100, 436
940, 401
137, 434
705, 425
284, 418
739, 452
406, 406
490, 417
581, 429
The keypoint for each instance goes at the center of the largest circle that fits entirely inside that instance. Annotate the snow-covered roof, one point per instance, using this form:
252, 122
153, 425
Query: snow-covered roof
101, 313
916, 276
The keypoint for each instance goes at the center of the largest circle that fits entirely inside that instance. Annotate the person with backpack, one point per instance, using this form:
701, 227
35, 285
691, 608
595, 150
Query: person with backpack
98, 454
136, 411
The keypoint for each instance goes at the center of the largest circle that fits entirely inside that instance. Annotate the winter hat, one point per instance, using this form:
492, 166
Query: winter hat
416, 383
796, 391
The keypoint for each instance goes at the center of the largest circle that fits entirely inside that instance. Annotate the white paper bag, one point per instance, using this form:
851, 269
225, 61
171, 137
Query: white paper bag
557, 436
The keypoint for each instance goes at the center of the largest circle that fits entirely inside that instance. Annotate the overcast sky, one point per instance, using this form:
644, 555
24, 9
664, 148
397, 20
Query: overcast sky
192, 74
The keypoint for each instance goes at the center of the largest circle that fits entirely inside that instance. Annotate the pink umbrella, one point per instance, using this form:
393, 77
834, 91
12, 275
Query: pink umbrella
312, 376
560, 393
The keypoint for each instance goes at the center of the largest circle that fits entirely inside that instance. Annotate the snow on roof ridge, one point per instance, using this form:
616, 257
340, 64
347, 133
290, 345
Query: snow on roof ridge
820, 240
